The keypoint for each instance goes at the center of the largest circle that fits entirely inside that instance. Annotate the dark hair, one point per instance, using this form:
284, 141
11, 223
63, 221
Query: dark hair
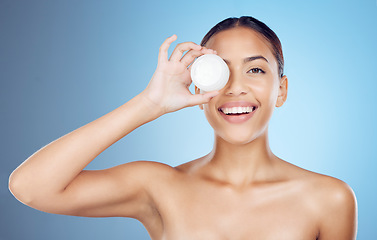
256, 25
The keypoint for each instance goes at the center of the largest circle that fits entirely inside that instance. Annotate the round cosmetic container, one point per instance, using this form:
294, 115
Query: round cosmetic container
209, 72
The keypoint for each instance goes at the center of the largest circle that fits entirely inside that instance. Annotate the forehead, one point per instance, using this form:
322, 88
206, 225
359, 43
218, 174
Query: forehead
240, 42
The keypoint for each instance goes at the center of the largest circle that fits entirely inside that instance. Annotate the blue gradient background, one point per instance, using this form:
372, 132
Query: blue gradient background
65, 63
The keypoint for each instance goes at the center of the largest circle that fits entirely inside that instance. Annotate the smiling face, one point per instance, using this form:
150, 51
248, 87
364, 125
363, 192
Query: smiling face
254, 85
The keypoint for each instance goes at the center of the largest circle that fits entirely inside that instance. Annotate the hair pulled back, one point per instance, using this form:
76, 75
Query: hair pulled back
253, 24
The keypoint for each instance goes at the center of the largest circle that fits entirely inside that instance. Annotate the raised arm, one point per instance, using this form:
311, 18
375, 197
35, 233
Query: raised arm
53, 179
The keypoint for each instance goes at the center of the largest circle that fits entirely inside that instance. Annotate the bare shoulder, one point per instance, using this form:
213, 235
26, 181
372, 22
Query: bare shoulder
337, 208
333, 203
334, 194
333, 190
329, 189
146, 168
148, 165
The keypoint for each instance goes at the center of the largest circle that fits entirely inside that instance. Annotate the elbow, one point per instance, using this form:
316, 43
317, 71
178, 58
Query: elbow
19, 189
30, 193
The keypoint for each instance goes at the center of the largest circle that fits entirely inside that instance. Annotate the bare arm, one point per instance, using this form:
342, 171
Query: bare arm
43, 178
53, 179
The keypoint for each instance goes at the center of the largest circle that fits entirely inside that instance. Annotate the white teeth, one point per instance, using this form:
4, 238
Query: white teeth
235, 110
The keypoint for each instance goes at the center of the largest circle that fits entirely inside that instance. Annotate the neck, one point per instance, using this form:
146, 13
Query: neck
241, 164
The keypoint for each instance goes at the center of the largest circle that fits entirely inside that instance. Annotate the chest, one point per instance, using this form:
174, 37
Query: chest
210, 212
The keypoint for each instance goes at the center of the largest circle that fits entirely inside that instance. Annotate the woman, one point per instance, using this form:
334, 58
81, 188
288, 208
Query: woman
240, 190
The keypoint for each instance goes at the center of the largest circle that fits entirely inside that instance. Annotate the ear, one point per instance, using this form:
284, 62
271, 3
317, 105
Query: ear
197, 91
283, 91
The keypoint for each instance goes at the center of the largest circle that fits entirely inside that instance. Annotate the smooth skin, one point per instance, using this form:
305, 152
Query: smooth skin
240, 190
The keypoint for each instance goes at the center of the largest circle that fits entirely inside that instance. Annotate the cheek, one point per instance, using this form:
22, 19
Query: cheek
266, 92
213, 118
267, 95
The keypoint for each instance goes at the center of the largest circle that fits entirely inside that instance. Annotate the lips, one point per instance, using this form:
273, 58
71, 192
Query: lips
237, 112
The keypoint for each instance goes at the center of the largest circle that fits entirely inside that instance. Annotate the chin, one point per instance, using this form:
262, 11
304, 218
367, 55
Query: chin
238, 137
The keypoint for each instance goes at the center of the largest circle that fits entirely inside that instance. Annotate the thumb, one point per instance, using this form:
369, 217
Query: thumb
202, 98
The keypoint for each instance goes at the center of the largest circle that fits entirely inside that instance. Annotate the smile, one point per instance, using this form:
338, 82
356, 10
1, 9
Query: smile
237, 112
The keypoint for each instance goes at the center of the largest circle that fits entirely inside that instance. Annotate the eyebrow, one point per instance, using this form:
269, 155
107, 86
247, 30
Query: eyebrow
249, 59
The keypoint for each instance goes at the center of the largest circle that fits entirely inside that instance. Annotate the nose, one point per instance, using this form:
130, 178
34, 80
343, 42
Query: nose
235, 86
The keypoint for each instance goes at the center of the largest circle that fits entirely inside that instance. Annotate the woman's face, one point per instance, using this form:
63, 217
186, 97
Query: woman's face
254, 84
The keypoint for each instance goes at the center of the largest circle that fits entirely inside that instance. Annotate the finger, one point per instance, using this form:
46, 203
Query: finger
202, 98
192, 54
208, 50
189, 68
163, 52
181, 48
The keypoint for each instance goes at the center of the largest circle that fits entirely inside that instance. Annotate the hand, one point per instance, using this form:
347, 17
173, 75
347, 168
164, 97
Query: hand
169, 87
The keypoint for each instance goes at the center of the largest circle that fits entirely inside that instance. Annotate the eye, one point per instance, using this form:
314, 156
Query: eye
256, 70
